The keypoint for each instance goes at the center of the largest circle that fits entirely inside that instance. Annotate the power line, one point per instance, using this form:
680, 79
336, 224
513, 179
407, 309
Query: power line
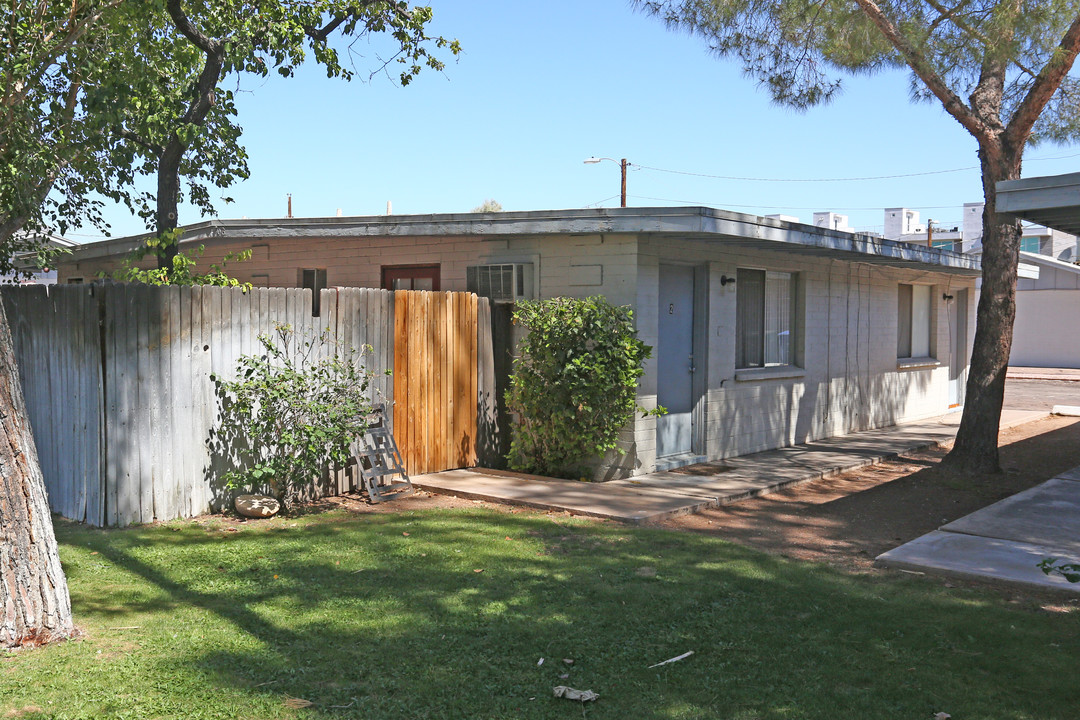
598, 203
800, 180
846, 179
771, 207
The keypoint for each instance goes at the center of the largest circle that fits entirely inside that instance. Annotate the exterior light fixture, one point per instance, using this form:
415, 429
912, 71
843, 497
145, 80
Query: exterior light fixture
622, 164
724, 280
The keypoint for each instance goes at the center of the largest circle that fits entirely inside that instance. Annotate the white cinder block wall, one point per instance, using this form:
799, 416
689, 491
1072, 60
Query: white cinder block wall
846, 324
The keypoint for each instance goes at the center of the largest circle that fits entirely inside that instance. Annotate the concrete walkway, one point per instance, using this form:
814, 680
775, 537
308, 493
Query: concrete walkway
1030, 373
661, 495
1004, 541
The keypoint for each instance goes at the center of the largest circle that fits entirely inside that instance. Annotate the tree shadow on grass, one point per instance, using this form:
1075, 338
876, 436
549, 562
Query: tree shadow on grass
387, 616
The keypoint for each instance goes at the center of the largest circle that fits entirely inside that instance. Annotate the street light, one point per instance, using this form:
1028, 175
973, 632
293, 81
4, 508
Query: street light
622, 163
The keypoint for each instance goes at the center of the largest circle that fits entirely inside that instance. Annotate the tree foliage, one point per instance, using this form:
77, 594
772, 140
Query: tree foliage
53, 151
100, 92
179, 118
488, 206
799, 50
574, 384
1000, 68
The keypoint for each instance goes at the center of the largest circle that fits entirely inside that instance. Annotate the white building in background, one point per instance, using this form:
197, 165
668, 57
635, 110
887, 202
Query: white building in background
28, 262
904, 224
832, 221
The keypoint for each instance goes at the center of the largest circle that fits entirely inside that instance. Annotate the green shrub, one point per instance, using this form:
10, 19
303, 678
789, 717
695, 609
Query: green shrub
574, 385
288, 417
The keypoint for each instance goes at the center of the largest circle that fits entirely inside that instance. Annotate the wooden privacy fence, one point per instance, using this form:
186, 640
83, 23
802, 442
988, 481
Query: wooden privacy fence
118, 388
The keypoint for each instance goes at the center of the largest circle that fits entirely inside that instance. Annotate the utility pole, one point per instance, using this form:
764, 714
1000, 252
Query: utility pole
623, 164
929, 233
622, 167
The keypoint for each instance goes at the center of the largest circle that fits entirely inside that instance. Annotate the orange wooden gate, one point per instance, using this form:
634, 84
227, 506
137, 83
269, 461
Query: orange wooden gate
435, 378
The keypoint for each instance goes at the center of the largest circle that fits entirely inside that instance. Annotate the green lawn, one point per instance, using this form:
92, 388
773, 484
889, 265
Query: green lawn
386, 616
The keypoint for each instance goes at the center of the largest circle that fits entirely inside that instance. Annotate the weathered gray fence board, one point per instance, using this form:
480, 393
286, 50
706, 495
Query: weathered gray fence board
127, 491
143, 500
61, 435
206, 407
113, 383
344, 336
182, 407
45, 317
92, 408
179, 406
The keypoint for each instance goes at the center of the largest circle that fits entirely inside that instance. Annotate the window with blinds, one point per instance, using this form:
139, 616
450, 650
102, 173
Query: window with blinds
764, 318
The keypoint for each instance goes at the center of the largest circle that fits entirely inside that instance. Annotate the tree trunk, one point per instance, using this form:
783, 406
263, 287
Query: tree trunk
168, 194
976, 447
34, 603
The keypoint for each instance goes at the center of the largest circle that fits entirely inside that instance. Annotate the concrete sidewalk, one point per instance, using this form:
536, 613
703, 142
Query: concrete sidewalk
1032, 373
1004, 541
656, 496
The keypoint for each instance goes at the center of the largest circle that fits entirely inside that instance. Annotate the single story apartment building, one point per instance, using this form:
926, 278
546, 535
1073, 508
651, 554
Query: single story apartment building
766, 332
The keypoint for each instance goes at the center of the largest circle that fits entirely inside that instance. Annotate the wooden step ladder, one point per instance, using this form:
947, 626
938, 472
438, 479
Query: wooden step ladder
379, 460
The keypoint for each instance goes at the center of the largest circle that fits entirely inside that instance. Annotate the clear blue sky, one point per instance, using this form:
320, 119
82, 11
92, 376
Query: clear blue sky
542, 86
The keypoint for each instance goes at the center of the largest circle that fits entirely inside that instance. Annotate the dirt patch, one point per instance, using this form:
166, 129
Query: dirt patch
849, 519
419, 500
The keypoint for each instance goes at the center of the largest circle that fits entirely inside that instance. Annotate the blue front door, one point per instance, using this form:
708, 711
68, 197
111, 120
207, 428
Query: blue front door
675, 360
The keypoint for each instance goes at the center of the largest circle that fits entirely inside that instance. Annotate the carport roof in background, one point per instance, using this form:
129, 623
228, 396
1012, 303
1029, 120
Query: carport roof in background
1051, 200
690, 223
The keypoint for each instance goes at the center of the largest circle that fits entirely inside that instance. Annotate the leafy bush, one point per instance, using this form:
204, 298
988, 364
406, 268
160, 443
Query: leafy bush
574, 385
295, 416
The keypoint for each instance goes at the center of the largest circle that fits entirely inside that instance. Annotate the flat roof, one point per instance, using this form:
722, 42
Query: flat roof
691, 223
1050, 200
1050, 262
